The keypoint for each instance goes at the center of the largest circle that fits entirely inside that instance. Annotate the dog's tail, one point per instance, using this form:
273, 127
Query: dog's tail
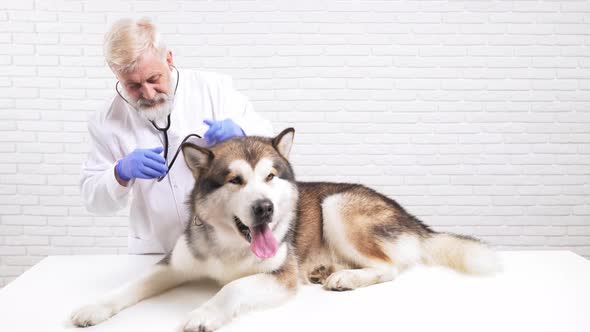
462, 253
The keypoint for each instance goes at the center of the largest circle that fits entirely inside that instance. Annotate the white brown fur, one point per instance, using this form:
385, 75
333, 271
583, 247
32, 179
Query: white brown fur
343, 236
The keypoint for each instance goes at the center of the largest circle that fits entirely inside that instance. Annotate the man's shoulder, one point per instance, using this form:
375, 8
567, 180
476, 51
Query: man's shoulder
112, 111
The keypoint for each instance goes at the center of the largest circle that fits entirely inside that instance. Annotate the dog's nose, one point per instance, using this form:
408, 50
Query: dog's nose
262, 209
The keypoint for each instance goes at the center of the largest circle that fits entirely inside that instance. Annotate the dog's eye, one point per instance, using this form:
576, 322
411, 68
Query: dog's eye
270, 177
236, 180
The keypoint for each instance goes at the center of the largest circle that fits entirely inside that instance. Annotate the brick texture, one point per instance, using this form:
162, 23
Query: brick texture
475, 115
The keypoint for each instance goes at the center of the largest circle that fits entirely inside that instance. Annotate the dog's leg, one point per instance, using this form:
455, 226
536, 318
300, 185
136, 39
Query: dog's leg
167, 274
160, 278
350, 279
253, 292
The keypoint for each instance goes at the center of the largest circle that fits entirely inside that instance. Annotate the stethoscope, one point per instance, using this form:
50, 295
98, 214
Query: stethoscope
164, 129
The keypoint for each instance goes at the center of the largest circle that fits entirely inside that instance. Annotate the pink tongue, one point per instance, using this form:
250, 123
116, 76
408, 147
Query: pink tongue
263, 244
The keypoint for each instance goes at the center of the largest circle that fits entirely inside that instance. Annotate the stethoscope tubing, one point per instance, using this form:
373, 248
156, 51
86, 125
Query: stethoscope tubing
164, 129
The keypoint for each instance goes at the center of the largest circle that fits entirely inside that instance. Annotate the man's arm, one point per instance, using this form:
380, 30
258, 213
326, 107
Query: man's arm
101, 191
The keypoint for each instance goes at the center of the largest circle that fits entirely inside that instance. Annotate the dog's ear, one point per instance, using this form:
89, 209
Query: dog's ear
284, 141
197, 158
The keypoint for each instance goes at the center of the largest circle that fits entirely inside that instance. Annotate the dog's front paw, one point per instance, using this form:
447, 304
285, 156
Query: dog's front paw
204, 320
342, 280
90, 315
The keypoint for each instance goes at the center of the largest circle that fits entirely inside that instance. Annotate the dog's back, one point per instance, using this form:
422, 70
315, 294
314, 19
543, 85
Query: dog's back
371, 238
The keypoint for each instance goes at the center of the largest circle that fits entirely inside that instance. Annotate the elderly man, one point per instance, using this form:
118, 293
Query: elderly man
155, 108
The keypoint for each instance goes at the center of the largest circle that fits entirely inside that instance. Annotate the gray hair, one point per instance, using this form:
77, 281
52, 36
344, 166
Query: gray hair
128, 40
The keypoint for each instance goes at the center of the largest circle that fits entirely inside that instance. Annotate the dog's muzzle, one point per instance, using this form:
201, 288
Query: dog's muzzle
262, 211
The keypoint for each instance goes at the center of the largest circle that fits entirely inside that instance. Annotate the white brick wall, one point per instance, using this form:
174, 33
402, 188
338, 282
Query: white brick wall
475, 115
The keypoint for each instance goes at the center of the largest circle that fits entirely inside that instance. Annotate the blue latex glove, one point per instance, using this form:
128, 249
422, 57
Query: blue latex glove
143, 164
221, 130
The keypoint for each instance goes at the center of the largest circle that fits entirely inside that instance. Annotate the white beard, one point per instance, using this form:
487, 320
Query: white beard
159, 111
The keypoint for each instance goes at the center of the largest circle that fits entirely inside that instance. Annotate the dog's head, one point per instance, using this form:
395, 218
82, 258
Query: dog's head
245, 189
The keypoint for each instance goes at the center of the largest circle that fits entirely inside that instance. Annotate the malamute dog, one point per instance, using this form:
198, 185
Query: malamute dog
260, 233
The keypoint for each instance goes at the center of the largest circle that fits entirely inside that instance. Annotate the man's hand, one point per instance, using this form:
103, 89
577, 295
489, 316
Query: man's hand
221, 130
143, 164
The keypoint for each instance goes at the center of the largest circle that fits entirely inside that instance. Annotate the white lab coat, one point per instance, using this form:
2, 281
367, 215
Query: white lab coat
158, 212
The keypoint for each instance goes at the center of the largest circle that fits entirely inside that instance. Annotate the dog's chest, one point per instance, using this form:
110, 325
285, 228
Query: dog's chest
226, 269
